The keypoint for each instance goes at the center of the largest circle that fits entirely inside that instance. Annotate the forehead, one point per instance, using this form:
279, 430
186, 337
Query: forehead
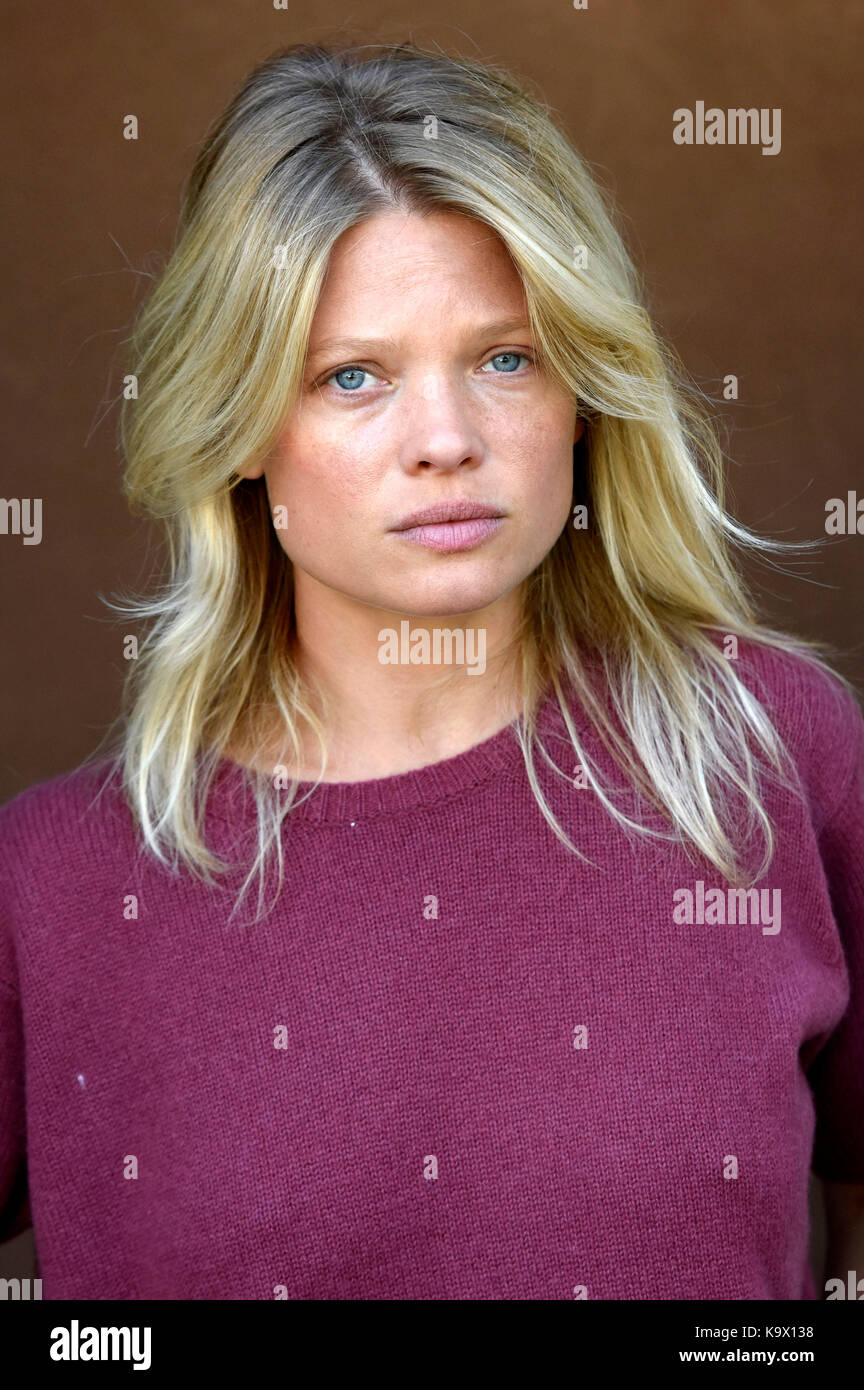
398, 270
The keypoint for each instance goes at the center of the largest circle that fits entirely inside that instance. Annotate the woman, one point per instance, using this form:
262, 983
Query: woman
553, 984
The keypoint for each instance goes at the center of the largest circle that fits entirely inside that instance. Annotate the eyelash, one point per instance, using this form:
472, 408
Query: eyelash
358, 367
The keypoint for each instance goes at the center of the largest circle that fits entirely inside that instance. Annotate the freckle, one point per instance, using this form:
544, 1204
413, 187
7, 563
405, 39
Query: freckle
81, 1082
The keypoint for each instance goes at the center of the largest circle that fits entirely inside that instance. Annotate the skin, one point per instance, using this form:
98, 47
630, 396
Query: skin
453, 408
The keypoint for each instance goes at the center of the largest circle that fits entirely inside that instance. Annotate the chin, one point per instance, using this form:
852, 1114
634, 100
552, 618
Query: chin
447, 599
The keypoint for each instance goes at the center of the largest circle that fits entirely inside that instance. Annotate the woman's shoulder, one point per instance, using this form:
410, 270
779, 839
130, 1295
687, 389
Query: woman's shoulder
817, 713
57, 837
801, 687
61, 811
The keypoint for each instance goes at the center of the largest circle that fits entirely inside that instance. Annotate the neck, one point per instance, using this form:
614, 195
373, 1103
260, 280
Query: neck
394, 693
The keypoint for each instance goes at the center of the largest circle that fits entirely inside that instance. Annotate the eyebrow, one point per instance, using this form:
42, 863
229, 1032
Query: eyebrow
500, 328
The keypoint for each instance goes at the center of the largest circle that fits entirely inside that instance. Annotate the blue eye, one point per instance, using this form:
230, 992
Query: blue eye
350, 372
514, 358
348, 380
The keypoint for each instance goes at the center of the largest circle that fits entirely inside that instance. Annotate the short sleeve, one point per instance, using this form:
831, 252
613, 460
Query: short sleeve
836, 1075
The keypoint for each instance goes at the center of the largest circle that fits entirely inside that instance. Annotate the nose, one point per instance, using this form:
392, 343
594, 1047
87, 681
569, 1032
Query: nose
438, 430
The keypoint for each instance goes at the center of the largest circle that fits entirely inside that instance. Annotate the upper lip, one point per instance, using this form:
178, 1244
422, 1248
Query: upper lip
460, 509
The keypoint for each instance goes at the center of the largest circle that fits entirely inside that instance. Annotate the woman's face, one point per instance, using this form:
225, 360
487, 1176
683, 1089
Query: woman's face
430, 396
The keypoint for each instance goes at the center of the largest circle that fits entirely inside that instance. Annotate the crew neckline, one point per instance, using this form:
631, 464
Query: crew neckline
498, 756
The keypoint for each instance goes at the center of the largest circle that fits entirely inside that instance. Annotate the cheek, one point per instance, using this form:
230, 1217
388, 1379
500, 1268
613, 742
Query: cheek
319, 483
551, 500
546, 488
545, 451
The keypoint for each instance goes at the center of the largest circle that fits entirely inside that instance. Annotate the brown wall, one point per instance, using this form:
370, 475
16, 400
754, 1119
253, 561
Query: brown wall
752, 264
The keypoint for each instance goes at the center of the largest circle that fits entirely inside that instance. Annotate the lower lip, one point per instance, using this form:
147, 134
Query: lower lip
453, 535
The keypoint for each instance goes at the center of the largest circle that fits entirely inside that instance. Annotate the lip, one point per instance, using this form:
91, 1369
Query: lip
448, 526
452, 535
459, 509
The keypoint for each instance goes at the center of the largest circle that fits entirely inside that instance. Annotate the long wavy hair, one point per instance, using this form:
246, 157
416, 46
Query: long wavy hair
316, 140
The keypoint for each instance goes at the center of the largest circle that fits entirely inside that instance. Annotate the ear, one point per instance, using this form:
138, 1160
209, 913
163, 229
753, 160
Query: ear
253, 470
579, 430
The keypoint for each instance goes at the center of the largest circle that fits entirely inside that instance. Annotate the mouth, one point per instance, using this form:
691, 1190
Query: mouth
448, 526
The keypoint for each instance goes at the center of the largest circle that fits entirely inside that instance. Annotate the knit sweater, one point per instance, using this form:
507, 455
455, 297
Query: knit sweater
456, 1061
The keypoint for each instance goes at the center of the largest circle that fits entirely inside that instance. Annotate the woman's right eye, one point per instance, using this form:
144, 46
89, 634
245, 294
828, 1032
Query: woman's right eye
352, 374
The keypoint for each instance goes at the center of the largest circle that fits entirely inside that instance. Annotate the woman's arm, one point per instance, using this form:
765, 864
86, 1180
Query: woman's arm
844, 1221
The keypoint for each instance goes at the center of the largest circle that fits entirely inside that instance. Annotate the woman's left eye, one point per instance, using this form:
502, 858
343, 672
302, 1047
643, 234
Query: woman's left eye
510, 359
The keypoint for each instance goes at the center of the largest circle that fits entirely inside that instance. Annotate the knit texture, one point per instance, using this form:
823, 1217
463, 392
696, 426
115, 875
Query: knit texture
456, 1061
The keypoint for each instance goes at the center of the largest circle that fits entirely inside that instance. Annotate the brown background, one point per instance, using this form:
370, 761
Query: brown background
752, 265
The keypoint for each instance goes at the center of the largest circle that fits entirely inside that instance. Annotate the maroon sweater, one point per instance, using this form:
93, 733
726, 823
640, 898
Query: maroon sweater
456, 1061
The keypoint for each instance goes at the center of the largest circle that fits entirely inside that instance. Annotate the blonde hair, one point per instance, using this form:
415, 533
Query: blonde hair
315, 141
